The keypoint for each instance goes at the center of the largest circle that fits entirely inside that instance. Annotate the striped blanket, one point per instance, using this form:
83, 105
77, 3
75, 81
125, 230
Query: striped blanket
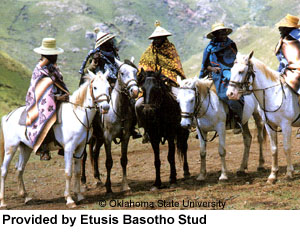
40, 104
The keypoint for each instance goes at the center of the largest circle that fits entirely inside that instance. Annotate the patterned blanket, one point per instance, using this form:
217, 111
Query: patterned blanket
40, 104
165, 57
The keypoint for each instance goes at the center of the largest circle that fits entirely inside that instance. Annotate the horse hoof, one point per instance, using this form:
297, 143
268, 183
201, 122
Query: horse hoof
71, 205
289, 177
261, 169
173, 186
3, 206
154, 188
201, 177
271, 180
98, 184
126, 189
241, 173
83, 188
80, 197
187, 176
223, 178
27, 200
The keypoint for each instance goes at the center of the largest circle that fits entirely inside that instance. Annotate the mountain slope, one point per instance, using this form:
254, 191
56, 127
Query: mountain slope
14, 82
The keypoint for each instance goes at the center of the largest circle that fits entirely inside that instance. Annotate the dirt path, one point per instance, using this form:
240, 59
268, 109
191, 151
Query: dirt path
45, 181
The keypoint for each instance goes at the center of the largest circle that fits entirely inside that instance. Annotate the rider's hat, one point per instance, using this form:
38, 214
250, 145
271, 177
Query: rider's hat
48, 47
216, 27
159, 31
289, 21
102, 37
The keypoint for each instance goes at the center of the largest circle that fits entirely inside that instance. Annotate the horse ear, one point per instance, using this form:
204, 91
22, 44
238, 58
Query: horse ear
119, 63
159, 72
179, 80
250, 55
91, 75
141, 77
106, 74
132, 59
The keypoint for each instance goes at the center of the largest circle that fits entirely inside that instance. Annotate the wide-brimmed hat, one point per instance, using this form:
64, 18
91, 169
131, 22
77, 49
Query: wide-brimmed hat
289, 21
159, 31
48, 47
102, 37
216, 27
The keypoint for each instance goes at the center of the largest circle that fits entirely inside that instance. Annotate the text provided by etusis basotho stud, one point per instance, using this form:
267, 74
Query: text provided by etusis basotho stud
109, 219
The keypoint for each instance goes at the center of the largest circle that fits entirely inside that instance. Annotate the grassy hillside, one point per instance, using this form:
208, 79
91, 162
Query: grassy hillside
14, 82
23, 24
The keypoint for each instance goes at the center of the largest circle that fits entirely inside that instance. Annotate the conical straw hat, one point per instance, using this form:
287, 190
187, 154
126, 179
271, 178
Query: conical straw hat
159, 31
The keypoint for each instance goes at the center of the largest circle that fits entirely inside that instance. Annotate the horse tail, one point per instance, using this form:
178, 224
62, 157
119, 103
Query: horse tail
181, 143
1, 144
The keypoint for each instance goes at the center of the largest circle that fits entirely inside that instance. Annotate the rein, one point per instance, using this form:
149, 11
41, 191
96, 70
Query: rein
198, 104
125, 87
95, 101
244, 88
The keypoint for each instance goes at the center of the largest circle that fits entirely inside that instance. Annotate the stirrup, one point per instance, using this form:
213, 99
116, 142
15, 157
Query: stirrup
298, 134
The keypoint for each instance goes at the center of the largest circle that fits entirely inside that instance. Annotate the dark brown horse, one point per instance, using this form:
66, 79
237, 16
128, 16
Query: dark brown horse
160, 117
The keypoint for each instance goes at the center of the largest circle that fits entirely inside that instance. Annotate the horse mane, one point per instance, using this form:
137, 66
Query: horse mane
79, 95
128, 62
267, 71
203, 85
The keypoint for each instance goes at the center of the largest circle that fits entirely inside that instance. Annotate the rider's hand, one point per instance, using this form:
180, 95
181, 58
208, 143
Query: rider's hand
216, 69
62, 98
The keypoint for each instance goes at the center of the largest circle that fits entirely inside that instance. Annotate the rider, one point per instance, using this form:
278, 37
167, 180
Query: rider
102, 58
47, 89
161, 54
288, 53
218, 58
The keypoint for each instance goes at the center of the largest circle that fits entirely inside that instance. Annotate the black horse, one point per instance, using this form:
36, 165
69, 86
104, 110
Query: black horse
160, 117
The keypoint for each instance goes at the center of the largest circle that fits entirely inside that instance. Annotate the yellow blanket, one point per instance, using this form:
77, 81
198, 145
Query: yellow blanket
165, 57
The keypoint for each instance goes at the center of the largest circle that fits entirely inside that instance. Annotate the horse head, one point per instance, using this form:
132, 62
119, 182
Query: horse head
153, 90
99, 90
127, 77
241, 76
187, 96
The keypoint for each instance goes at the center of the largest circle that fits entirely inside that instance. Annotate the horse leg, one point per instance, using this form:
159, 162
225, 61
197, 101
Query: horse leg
77, 166
287, 133
202, 175
94, 160
109, 165
260, 138
247, 139
171, 159
274, 150
222, 151
157, 163
124, 161
23, 159
68, 174
83, 175
9, 153
184, 136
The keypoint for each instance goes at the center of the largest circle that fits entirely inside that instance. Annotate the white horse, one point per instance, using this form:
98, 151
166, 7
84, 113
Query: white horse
72, 133
198, 100
118, 121
277, 100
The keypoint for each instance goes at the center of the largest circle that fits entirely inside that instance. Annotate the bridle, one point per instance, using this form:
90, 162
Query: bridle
195, 113
245, 87
125, 87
